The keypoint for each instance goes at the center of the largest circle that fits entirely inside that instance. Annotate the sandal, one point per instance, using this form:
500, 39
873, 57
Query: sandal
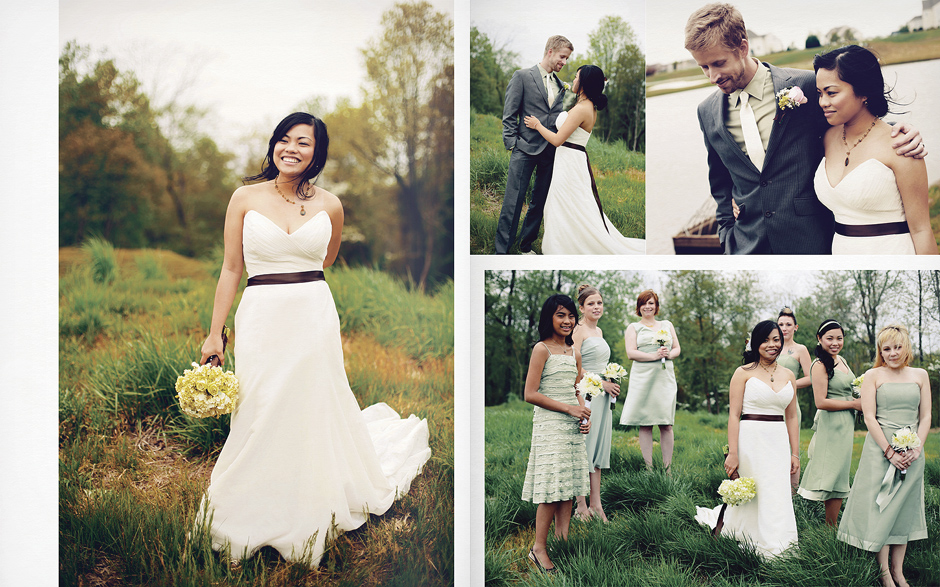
535, 559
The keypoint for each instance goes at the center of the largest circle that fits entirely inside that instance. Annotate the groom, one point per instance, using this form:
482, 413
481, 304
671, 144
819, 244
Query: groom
760, 157
538, 92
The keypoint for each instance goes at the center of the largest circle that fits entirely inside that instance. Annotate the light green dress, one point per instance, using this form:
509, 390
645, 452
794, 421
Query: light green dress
863, 524
595, 353
558, 466
651, 393
830, 450
793, 364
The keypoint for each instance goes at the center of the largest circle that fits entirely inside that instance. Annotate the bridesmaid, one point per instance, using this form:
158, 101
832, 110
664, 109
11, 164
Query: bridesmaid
893, 395
830, 451
794, 356
558, 467
595, 353
651, 393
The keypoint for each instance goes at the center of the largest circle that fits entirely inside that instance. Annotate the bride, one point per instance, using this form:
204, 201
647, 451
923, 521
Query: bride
575, 224
763, 444
301, 461
878, 198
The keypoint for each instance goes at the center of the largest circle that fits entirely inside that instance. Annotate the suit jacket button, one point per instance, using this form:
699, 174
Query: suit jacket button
763, 184
768, 214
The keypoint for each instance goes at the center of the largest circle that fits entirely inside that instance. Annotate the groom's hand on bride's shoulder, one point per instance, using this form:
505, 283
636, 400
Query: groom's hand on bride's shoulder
908, 141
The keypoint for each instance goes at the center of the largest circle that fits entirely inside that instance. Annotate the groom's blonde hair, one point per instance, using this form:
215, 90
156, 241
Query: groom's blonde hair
714, 25
557, 42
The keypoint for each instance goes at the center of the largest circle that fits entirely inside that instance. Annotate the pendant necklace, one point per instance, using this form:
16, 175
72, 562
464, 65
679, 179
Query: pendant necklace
768, 370
302, 211
849, 149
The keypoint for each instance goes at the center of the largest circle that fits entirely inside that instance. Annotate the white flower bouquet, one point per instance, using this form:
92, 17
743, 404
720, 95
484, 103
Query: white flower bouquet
857, 385
614, 371
737, 491
206, 390
663, 338
590, 385
905, 439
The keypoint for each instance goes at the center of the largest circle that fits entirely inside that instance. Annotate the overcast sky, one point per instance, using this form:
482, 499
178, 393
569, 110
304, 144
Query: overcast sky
791, 21
524, 26
250, 62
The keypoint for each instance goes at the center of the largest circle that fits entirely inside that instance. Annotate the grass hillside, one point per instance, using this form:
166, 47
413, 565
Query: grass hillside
652, 538
619, 173
132, 467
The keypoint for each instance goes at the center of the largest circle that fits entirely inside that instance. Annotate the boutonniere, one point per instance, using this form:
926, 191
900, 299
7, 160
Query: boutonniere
789, 98
566, 85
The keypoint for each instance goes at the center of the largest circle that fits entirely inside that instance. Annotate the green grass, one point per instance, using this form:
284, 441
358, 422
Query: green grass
652, 538
619, 173
132, 468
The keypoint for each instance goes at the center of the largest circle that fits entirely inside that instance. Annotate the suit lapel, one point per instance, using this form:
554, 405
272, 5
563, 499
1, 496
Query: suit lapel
781, 80
725, 134
537, 76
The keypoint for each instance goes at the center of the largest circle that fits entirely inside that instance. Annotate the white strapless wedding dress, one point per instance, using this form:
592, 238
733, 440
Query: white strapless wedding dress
767, 521
301, 455
573, 224
866, 195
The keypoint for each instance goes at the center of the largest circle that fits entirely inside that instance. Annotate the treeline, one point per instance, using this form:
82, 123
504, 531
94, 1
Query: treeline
143, 175
713, 313
612, 47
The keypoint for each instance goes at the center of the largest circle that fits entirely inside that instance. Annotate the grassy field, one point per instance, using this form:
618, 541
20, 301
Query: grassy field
620, 175
132, 468
919, 46
652, 538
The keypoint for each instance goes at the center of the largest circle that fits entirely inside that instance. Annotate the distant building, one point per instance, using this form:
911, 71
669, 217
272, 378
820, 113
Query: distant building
842, 34
765, 44
931, 16
916, 23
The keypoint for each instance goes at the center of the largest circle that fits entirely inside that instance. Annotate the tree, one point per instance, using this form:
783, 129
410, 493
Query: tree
487, 79
872, 288
812, 42
410, 76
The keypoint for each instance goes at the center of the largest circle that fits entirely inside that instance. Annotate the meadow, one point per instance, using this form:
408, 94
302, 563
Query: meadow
619, 173
652, 538
132, 467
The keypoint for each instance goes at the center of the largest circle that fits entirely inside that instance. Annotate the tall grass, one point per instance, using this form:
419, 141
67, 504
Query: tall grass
133, 468
619, 173
652, 538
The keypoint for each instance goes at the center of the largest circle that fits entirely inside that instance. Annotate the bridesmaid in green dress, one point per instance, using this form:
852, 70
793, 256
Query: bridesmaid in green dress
595, 353
651, 393
894, 395
558, 467
826, 477
794, 356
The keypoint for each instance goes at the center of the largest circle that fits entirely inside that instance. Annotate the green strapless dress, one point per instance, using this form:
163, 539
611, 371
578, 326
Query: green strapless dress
595, 354
864, 524
830, 450
558, 466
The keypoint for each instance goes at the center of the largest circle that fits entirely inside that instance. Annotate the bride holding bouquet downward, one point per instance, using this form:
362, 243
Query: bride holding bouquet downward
301, 461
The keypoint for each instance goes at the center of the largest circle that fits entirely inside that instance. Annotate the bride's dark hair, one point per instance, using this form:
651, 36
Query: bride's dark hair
824, 357
591, 84
859, 68
321, 145
760, 334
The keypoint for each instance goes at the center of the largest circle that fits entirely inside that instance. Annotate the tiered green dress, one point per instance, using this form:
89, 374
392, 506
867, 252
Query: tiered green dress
651, 393
863, 523
595, 353
558, 465
830, 450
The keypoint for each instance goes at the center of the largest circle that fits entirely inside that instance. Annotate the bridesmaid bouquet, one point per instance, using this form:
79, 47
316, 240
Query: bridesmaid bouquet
206, 390
614, 371
737, 491
857, 385
590, 385
663, 338
905, 439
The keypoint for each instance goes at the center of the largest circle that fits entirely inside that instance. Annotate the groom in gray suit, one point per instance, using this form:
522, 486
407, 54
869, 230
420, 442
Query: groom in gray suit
538, 92
761, 158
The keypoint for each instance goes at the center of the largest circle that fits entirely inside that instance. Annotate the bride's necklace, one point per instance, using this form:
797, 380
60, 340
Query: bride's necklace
302, 211
759, 362
848, 149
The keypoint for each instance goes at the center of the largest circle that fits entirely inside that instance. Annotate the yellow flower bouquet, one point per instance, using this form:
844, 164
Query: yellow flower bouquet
206, 390
737, 491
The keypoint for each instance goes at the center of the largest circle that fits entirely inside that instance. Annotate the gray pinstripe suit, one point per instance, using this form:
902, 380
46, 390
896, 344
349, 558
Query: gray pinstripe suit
780, 213
526, 95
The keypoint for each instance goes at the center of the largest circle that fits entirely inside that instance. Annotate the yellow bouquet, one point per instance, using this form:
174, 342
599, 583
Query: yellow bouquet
737, 491
206, 390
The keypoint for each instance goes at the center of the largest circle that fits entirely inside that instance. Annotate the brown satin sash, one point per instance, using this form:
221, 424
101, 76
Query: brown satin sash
762, 417
872, 229
281, 278
593, 183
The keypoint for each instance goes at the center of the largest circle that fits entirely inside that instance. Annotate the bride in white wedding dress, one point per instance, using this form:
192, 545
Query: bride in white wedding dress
574, 221
763, 444
301, 461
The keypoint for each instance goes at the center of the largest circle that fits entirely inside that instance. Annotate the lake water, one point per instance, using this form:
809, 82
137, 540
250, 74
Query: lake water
676, 171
